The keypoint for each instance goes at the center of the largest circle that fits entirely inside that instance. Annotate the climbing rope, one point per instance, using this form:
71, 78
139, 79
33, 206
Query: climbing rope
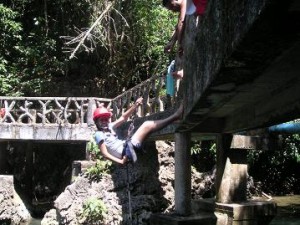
59, 131
129, 134
129, 195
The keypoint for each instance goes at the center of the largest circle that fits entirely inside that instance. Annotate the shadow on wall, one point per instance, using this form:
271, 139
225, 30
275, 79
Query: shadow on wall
146, 195
41, 171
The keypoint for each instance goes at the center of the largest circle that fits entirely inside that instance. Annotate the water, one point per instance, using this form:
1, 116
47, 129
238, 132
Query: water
35, 221
288, 210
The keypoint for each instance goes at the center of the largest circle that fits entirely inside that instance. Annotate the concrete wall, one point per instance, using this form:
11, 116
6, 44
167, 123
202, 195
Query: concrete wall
210, 39
39, 132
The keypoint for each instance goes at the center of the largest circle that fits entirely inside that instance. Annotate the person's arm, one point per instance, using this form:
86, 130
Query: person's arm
128, 113
180, 24
169, 46
109, 156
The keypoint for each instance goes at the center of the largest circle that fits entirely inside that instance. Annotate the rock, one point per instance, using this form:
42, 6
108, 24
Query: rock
11, 206
151, 185
50, 218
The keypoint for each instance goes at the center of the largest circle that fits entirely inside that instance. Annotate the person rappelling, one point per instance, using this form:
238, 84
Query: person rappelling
119, 150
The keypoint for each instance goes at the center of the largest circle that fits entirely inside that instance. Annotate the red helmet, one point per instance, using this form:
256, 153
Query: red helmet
101, 112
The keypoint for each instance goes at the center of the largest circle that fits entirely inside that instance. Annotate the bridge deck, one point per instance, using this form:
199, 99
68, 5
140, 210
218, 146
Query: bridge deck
245, 76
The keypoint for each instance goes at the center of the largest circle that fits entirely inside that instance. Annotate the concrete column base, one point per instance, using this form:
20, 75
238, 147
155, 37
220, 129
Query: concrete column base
251, 212
208, 212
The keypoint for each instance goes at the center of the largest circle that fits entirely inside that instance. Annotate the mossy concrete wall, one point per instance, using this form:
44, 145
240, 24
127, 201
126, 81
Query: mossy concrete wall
210, 39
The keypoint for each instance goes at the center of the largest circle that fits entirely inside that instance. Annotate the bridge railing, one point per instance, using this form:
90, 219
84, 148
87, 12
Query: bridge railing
154, 96
46, 110
72, 110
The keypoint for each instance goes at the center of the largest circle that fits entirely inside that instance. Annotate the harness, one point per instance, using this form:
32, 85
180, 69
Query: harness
128, 145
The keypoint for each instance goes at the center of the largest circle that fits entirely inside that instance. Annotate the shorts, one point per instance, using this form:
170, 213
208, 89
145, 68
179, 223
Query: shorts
136, 144
130, 147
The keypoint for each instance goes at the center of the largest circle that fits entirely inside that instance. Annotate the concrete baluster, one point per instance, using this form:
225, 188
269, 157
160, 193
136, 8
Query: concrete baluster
90, 111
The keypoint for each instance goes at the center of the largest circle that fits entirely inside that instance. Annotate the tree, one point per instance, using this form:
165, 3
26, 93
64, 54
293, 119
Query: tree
10, 51
277, 169
123, 48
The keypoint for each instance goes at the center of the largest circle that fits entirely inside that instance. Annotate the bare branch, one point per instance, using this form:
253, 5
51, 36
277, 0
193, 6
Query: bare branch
86, 34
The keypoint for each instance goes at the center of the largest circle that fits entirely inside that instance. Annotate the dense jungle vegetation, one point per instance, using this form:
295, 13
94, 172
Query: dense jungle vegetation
47, 43
48, 49
275, 170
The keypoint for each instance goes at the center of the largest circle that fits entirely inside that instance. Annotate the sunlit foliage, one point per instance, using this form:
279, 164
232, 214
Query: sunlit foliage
278, 168
126, 47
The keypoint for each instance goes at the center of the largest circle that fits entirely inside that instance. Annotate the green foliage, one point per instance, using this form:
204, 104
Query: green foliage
210, 147
10, 51
196, 149
29, 56
292, 143
156, 25
278, 168
93, 148
10, 30
32, 57
203, 155
132, 50
101, 167
94, 211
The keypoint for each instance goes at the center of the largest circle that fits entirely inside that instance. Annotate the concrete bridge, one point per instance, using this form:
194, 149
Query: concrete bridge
47, 119
241, 65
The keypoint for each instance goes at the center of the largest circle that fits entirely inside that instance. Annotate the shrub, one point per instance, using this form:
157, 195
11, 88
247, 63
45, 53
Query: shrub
94, 211
101, 167
93, 149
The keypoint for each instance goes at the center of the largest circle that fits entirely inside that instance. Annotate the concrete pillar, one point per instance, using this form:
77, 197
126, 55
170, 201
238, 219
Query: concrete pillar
182, 173
232, 169
3, 158
76, 170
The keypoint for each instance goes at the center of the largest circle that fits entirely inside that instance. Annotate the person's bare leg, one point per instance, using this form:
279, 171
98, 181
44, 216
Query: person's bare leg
154, 125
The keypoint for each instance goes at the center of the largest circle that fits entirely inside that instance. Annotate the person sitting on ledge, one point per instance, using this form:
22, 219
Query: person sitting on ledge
183, 7
122, 151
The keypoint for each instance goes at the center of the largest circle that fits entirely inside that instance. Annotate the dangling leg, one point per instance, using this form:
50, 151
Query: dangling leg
154, 125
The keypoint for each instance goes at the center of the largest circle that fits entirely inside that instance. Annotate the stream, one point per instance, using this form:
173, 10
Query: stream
35, 221
288, 211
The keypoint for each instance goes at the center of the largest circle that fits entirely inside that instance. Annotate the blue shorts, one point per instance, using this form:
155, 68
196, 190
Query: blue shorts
130, 147
136, 144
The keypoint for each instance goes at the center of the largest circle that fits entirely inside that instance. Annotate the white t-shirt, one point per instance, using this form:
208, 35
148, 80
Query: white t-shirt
114, 145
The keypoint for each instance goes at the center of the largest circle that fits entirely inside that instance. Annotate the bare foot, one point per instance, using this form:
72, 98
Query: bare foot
178, 74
